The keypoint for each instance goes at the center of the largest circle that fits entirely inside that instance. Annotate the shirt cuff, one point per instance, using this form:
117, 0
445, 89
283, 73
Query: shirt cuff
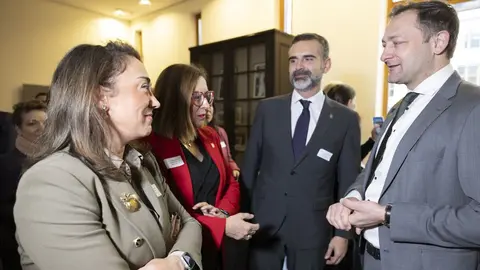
179, 254
354, 194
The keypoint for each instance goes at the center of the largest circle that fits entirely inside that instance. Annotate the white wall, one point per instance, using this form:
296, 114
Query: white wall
37, 34
354, 34
168, 34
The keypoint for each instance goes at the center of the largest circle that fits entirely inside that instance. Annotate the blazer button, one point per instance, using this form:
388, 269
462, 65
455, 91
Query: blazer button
138, 242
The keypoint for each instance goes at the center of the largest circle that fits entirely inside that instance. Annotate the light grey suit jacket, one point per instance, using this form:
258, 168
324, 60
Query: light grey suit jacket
434, 185
66, 219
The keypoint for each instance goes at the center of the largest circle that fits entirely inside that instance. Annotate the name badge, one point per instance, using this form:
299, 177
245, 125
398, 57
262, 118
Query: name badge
223, 144
173, 162
324, 154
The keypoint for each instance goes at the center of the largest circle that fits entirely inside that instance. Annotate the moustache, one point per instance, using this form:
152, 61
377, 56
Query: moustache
302, 73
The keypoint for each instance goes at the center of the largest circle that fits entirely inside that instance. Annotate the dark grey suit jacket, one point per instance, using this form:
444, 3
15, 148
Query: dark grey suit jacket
7, 133
278, 187
434, 185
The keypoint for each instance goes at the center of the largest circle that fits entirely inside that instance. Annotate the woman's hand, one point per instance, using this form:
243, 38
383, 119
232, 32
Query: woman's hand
207, 209
236, 174
237, 228
171, 262
374, 132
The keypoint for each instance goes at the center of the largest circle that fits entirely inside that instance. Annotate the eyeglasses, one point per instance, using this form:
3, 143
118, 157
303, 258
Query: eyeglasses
198, 98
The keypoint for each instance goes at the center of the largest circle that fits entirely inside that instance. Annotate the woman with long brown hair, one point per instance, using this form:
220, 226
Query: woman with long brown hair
191, 158
94, 199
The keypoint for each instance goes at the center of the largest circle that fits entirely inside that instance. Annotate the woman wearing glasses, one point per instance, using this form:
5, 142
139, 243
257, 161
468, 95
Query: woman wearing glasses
191, 158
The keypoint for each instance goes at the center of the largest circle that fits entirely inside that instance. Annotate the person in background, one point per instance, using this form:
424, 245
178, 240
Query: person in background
94, 198
191, 158
223, 141
28, 118
345, 94
42, 96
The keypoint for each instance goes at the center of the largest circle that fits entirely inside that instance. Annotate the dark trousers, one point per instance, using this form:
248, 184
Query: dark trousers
268, 253
235, 254
352, 260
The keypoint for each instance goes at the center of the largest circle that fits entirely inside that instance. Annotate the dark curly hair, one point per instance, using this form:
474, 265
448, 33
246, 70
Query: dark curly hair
22, 108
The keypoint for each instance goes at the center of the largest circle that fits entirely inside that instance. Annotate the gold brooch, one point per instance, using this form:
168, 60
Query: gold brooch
131, 201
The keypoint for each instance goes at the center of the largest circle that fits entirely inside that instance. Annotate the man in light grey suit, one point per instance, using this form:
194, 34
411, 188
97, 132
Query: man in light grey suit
417, 203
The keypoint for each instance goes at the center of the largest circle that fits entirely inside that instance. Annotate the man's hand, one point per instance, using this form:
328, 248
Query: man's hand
337, 215
237, 228
171, 262
337, 248
365, 214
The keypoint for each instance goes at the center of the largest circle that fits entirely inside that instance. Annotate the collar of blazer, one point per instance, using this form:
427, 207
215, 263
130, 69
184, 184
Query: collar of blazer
141, 220
323, 124
168, 149
440, 102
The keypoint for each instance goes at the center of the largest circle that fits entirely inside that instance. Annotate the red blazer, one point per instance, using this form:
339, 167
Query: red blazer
178, 178
226, 149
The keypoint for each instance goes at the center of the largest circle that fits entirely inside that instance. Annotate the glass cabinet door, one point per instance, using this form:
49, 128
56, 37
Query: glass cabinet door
249, 87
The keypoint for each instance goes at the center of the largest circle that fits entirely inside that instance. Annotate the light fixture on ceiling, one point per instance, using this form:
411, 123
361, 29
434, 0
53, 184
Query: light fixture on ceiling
144, 2
120, 12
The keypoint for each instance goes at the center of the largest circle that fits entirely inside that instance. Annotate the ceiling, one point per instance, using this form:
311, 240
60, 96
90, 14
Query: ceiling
107, 7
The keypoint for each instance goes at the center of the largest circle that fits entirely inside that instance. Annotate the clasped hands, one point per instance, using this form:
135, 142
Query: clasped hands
236, 226
351, 212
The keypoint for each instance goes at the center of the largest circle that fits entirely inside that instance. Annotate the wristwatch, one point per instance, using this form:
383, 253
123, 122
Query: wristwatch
388, 212
224, 212
188, 261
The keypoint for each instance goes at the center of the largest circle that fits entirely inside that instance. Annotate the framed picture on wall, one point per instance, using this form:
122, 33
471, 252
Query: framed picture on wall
259, 81
239, 119
218, 87
240, 140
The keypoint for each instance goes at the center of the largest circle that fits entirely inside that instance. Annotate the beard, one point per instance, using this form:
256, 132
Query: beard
307, 82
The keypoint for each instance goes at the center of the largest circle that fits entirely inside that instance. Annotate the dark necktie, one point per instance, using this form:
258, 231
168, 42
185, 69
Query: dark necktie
406, 101
301, 130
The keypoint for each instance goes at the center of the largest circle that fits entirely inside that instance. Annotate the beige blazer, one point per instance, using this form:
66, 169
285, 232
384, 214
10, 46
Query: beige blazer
67, 219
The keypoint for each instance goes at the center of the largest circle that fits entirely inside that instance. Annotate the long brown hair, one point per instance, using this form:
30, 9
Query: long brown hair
173, 89
74, 117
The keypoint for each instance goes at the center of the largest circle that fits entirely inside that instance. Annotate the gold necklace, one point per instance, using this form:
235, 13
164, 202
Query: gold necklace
187, 144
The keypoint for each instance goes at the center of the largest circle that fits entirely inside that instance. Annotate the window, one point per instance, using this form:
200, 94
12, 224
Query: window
461, 71
472, 74
473, 41
287, 27
466, 59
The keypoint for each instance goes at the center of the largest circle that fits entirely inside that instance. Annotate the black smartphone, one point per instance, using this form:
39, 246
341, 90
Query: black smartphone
378, 120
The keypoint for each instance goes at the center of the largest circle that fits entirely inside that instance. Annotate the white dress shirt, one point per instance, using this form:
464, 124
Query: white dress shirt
427, 90
315, 108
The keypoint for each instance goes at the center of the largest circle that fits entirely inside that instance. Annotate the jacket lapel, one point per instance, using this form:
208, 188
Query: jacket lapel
323, 123
214, 150
142, 220
373, 153
285, 126
170, 148
440, 102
